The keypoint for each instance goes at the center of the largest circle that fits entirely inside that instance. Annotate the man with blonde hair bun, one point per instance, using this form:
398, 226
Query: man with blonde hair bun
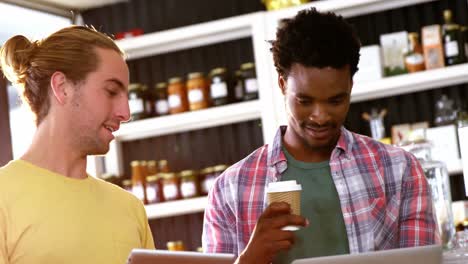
51, 211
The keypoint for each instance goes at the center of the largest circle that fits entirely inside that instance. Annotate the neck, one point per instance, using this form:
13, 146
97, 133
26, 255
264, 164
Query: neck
302, 151
53, 151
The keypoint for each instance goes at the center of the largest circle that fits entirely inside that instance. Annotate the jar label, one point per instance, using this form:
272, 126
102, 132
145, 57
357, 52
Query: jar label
138, 192
174, 101
170, 191
162, 107
219, 90
451, 49
151, 194
188, 189
136, 106
195, 95
251, 85
207, 184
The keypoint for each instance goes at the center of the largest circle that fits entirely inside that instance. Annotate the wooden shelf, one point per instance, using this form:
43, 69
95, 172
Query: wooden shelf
187, 37
211, 117
174, 208
410, 83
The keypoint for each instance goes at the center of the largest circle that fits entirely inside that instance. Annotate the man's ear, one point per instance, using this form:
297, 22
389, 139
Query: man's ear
58, 83
282, 84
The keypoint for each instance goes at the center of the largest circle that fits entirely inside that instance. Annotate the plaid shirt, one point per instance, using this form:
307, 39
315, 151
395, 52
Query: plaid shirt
384, 196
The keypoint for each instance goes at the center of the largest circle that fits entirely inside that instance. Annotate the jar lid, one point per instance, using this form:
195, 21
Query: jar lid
175, 80
144, 87
135, 163
107, 176
162, 163
207, 170
170, 244
217, 71
151, 163
134, 87
161, 85
194, 75
187, 173
126, 183
168, 175
179, 242
238, 73
152, 178
143, 163
220, 168
247, 66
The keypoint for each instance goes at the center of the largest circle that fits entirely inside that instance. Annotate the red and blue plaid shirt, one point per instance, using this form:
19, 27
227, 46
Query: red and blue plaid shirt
384, 196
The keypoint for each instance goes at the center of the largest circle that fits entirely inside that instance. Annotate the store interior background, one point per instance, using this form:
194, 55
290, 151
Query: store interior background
229, 143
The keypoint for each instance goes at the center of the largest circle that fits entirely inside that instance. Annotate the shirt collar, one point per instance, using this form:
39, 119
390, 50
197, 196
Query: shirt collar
276, 155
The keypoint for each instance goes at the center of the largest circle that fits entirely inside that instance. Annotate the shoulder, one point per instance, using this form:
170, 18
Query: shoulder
254, 162
118, 194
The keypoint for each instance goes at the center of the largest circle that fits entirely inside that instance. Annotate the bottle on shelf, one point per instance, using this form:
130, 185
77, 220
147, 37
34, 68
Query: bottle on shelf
219, 87
239, 90
189, 184
163, 166
452, 40
154, 184
148, 101
139, 173
445, 113
249, 77
414, 58
177, 96
171, 190
198, 91
136, 101
161, 104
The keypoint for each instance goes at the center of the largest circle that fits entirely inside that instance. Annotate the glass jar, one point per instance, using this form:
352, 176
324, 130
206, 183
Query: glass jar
161, 104
127, 185
139, 172
198, 91
171, 246
250, 81
207, 178
136, 101
148, 101
179, 245
163, 166
438, 178
170, 186
239, 89
219, 87
414, 58
154, 187
188, 184
177, 96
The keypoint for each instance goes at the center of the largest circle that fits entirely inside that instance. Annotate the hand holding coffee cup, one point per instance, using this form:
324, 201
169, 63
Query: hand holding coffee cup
289, 192
269, 237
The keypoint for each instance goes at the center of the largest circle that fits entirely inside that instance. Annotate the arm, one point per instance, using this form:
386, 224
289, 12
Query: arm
219, 224
418, 226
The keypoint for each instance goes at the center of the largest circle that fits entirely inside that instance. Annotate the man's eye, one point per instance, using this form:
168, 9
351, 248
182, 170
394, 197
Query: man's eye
111, 92
303, 101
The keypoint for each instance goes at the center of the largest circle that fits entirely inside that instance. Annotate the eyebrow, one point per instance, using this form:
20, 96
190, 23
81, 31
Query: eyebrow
342, 94
118, 83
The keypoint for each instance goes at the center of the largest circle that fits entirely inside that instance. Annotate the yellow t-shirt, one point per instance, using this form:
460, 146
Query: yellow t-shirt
49, 218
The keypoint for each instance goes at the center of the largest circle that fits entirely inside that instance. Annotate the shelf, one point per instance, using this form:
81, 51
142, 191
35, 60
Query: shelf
455, 167
187, 37
211, 117
410, 83
347, 8
174, 208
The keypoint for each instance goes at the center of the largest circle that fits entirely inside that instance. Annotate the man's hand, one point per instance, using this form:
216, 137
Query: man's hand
267, 238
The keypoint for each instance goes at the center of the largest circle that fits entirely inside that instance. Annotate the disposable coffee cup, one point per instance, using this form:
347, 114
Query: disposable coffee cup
289, 192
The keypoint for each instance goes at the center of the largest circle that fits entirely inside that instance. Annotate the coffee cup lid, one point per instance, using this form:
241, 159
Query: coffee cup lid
283, 186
